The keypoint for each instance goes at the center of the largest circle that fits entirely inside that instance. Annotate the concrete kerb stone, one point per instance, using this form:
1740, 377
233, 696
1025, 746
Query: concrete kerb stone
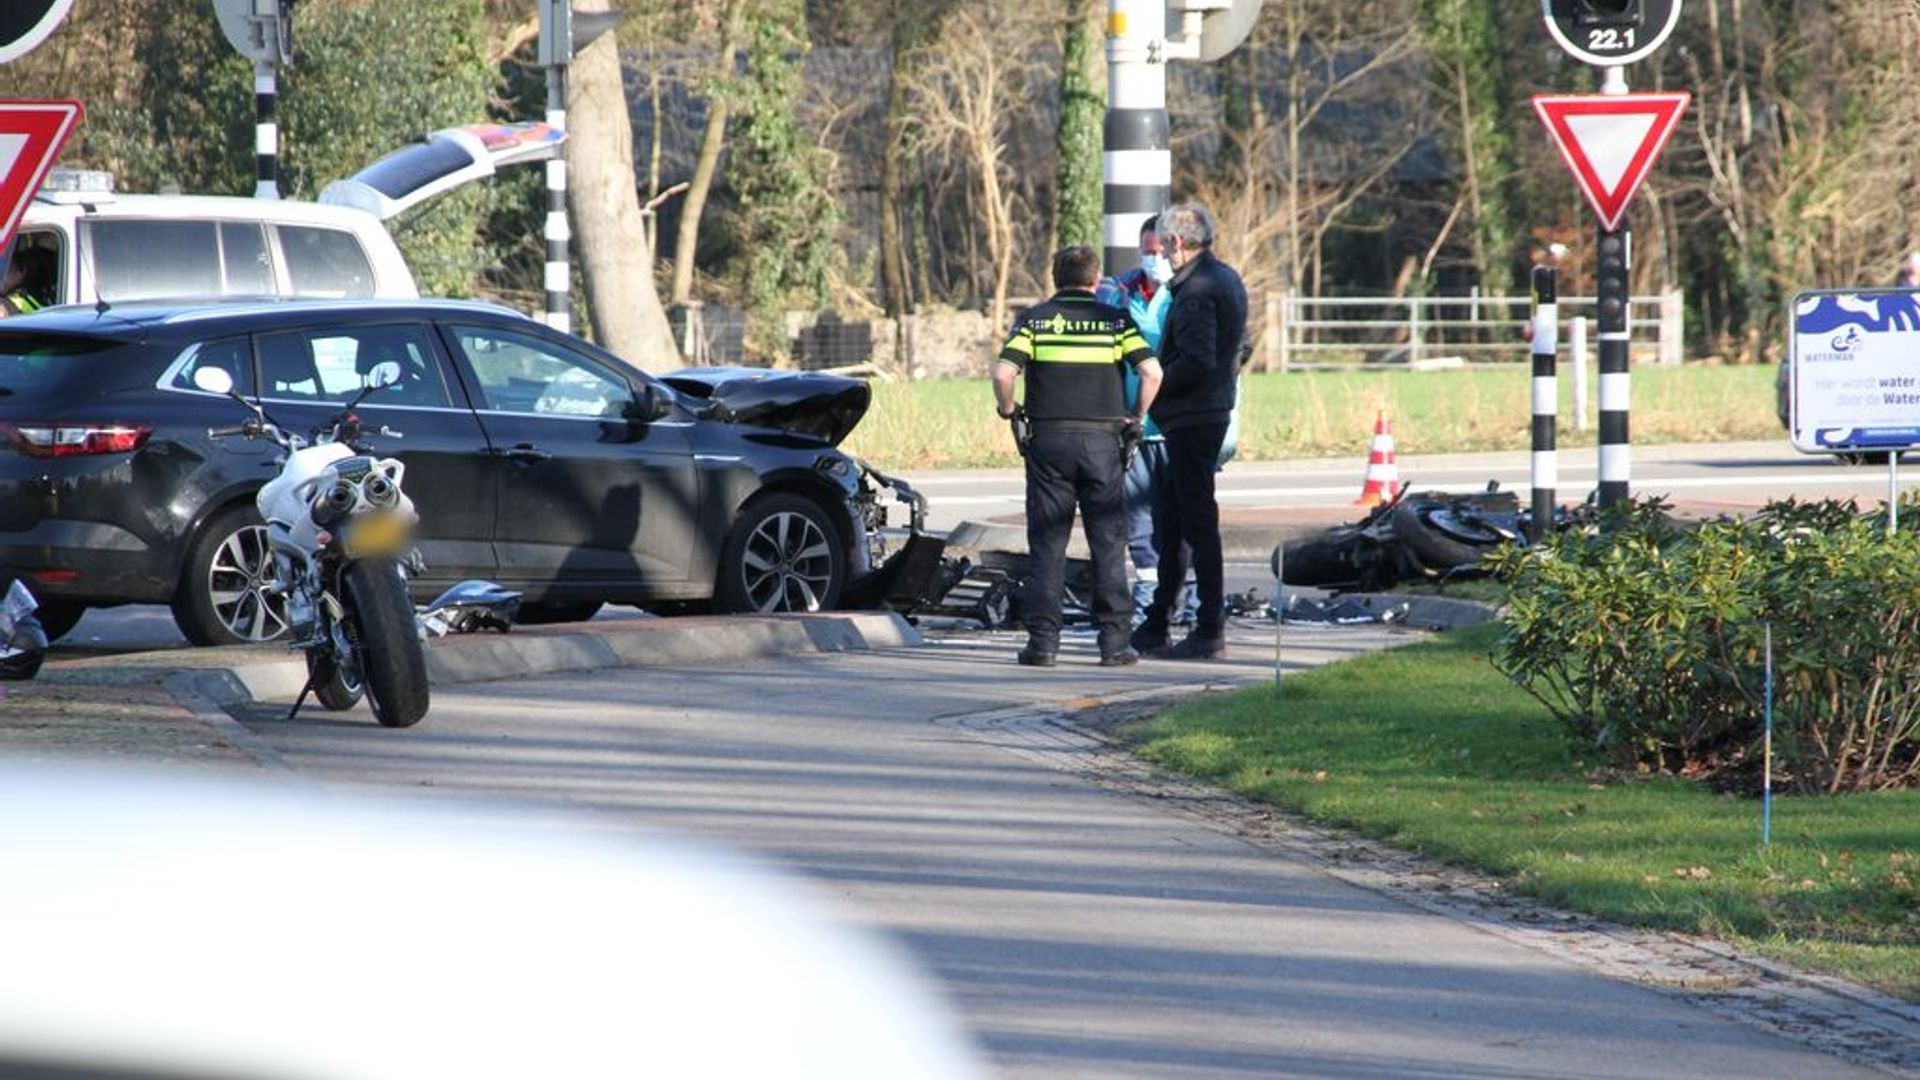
583, 647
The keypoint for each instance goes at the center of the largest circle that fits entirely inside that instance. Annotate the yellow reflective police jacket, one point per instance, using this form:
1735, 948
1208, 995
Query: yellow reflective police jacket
1073, 351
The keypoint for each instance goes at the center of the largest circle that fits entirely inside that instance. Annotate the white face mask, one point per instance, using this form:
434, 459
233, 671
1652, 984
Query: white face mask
1157, 268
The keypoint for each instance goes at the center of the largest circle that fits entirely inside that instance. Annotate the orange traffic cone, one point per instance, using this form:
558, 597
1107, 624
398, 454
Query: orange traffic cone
1383, 476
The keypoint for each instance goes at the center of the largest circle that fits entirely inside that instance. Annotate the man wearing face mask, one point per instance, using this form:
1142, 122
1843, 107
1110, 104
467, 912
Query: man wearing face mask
1206, 324
1139, 292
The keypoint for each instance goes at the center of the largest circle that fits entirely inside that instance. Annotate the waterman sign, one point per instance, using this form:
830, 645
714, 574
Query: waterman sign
1855, 382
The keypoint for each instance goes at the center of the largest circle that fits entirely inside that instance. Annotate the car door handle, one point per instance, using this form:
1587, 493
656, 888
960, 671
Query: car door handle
524, 452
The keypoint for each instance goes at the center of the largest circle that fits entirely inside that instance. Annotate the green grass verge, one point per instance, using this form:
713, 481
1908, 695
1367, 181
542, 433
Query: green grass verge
1430, 748
950, 423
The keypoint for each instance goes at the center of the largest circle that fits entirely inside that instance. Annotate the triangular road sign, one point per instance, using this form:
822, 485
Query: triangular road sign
31, 134
1610, 142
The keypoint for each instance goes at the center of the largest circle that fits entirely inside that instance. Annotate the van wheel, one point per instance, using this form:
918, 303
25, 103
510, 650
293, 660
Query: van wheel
227, 593
784, 554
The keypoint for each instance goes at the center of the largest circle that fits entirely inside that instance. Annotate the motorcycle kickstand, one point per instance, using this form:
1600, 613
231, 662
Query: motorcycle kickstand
302, 699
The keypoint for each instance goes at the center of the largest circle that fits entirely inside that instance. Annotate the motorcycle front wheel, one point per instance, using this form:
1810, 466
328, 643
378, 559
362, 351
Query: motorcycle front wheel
332, 685
393, 664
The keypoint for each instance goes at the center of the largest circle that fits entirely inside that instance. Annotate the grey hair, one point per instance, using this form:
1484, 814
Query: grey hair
1192, 223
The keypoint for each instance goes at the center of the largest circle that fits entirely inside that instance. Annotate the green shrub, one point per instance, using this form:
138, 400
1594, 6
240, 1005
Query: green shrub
1648, 641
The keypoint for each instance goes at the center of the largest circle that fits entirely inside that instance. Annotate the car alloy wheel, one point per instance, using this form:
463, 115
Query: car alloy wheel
787, 564
241, 586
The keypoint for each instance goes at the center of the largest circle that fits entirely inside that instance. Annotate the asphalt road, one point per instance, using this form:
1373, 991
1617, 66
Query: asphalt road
1714, 476
1079, 931
1729, 474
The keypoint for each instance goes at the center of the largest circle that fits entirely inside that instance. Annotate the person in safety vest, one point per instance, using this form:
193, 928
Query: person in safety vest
28, 285
1075, 430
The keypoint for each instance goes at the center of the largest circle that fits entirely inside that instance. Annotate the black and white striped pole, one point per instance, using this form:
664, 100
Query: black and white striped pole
1137, 162
266, 132
1616, 328
262, 31
559, 268
556, 53
1546, 401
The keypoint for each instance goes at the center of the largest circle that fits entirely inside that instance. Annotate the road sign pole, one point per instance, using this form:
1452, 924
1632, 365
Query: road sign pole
1137, 163
1546, 401
559, 272
266, 132
1616, 328
556, 53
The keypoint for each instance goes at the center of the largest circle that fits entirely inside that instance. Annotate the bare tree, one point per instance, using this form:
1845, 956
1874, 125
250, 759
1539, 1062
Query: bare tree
968, 92
622, 298
686, 241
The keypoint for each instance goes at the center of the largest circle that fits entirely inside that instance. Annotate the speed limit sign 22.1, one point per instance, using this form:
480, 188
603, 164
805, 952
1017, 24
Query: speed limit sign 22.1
1609, 33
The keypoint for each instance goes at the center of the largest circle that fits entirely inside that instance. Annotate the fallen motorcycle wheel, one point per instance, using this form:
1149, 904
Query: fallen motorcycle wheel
1442, 536
392, 661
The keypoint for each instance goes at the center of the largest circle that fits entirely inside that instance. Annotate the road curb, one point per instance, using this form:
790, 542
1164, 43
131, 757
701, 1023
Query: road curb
528, 652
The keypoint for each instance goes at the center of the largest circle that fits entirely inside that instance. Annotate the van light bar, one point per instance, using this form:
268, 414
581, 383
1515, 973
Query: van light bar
72, 440
72, 181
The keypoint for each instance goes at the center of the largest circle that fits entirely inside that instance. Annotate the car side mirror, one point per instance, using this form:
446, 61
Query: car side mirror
384, 374
652, 404
214, 380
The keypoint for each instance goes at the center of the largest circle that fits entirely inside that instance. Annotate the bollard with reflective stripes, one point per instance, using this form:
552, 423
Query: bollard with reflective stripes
1546, 400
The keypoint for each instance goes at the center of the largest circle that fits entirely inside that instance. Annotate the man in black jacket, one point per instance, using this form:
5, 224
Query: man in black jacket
1200, 358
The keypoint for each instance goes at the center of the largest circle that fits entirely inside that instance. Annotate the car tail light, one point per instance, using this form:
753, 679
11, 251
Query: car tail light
55, 577
69, 440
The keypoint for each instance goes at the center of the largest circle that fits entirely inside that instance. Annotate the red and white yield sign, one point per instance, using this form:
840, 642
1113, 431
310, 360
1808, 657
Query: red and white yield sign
31, 134
1610, 141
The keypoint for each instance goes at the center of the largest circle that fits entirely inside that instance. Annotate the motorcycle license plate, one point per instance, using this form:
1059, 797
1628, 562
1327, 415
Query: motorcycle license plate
376, 534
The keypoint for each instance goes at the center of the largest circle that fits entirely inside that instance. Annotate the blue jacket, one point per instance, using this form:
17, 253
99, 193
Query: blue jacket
1150, 315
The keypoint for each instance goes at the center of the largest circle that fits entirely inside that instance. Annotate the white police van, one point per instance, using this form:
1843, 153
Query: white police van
116, 248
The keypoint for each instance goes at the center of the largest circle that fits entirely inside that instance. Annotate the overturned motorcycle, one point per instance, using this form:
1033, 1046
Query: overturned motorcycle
1427, 536
340, 529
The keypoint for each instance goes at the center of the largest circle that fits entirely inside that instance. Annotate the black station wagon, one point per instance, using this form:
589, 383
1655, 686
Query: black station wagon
534, 459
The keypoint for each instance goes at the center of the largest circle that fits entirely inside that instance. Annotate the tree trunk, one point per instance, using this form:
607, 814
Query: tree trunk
622, 299
686, 240
893, 270
1077, 217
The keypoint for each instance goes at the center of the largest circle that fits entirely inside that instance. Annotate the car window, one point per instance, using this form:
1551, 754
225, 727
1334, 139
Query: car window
232, 355
134, 259
50, 240
333, 364
524, 374
243, 258
325, 262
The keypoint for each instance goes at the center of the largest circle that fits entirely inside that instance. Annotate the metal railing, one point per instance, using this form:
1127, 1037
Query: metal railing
1441, 331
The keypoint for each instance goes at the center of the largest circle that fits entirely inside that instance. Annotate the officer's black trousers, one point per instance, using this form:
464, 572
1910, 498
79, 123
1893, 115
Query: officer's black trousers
1067, 464
1186, 525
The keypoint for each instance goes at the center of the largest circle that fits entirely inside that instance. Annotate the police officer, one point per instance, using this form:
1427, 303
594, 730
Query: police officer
1074, 353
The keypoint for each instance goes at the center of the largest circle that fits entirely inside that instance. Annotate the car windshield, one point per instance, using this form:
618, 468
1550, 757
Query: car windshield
35, 365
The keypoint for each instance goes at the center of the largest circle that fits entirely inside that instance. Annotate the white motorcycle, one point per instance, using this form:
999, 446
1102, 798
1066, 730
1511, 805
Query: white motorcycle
340, 529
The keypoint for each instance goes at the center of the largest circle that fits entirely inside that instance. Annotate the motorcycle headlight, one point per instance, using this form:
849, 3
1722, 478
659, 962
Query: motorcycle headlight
381, 492
335, 503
